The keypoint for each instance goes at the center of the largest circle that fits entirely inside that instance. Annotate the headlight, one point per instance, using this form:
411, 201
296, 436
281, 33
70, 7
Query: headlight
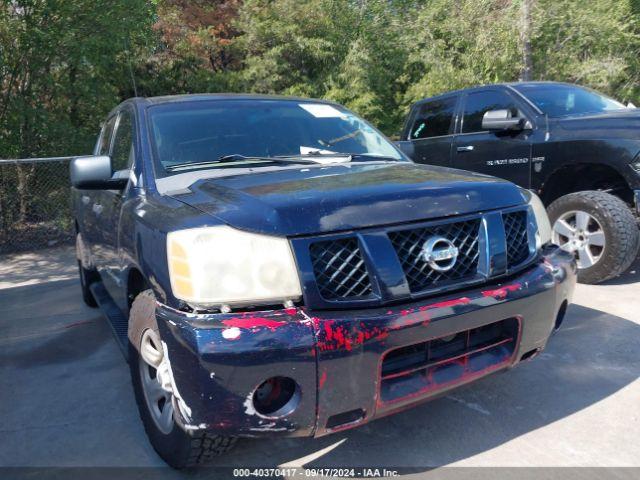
542, 219
636, 166
217, 266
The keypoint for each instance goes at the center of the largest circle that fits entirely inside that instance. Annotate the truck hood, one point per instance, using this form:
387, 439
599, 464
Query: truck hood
295, 200
618, 122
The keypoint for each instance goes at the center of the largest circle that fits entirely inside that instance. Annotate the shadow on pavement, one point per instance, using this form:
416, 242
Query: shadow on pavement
71, 343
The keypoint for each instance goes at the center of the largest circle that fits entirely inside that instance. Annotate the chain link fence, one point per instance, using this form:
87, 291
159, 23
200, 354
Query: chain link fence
35, 204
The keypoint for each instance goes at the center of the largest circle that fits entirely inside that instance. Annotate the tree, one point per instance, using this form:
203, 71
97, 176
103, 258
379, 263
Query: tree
590, 42
63, 66
461, 43
291, 47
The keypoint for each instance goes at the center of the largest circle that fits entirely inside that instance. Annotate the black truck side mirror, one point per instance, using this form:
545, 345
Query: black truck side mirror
95, 173
497, 120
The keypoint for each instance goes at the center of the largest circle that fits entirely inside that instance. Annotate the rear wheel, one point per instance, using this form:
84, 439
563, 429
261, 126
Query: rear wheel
599, 229
153, 386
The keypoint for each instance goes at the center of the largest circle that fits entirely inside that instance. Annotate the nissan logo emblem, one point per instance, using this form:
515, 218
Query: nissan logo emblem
441, 254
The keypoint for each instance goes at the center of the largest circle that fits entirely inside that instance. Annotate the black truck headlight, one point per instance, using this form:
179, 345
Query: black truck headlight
216, 266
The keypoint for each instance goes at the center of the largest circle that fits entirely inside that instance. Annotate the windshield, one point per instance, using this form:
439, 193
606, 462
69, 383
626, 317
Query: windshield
557, 100
235, 132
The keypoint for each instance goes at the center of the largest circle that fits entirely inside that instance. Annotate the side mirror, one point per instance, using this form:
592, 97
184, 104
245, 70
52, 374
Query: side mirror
498, 120
95, 173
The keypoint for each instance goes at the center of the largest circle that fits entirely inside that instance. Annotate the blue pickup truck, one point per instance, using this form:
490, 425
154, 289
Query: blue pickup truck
276, 267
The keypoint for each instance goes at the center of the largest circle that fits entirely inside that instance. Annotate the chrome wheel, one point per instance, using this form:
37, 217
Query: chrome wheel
580, 233
156, 381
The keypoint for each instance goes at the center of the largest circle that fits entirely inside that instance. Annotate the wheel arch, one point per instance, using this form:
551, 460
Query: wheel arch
585, 176
136, 284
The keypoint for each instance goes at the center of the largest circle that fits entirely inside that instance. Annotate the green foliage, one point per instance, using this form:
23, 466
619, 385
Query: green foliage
65, 63
590, 42
457, 44
292, 47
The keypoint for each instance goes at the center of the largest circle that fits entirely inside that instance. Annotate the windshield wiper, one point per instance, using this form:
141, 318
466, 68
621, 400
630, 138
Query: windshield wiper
373, 157
348, 156
311, 158
333, 141
236, 157
277, 159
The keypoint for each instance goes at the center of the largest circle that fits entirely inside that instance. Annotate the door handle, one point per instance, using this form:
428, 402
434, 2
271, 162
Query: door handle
466, 148
97, 208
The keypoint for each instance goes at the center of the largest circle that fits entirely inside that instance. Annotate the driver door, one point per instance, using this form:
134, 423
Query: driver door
122, 157
90, 211
501, 154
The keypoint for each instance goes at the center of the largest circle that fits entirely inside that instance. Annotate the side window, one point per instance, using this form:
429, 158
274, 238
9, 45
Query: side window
434, 119
105, 136
478, 103
122, 152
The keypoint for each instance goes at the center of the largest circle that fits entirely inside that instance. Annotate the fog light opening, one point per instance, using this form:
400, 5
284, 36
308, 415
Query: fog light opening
561, 313
345, 418
276, 397
530, 354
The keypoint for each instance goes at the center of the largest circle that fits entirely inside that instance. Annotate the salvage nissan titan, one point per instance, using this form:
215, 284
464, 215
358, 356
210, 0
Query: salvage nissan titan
275, 266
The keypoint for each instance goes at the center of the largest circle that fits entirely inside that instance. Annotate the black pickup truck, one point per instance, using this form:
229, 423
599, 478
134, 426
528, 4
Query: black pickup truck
575, 147
276, 266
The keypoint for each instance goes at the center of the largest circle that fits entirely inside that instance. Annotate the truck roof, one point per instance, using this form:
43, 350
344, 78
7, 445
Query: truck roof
480, 87
198, 97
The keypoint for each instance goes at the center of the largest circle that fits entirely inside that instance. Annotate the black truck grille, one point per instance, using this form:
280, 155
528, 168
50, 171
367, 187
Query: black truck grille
340, 270
420, 276
377, 266
515, 230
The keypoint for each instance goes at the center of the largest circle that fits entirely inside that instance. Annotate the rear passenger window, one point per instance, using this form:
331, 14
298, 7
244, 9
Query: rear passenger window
105, 136
434, 119
478, 103
122, 154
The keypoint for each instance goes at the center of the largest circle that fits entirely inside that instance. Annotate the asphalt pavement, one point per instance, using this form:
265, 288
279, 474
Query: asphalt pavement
66, 398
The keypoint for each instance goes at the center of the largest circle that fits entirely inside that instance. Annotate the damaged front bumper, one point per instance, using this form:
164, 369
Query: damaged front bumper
349, 367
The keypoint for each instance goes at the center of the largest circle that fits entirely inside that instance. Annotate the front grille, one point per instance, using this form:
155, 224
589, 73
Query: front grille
420, 276
515, 231
340, 270
358, 269
435, 364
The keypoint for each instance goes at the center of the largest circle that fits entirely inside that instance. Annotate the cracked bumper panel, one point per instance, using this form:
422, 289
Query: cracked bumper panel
219, 360
336, 357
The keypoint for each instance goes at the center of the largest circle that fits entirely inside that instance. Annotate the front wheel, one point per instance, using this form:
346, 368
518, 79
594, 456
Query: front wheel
599, 229
153, 386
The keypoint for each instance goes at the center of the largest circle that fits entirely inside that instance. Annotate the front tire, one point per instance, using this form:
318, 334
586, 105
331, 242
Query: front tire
599, 229
152, 385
